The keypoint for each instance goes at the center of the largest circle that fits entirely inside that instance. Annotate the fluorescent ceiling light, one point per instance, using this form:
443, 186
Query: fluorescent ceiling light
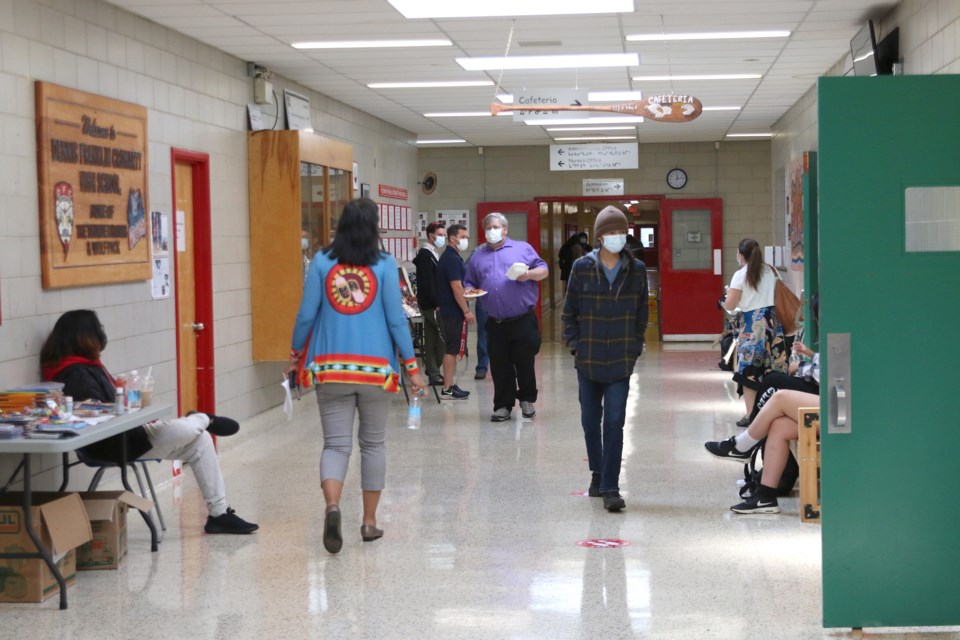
489, 8
447, 141
613, 96
429, 85
505, 98
596, 138
464, 114
579, 121
721, 108
718, 76
569, 61
749, 135
707, 35
370, 44
590, 129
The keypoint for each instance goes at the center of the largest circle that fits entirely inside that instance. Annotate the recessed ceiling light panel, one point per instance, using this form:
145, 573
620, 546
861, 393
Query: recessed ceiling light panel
707, 35
490, 8
370, 44
571, 61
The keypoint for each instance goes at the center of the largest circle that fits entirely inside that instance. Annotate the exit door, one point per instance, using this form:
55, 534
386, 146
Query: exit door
523, 223
691, 280
889, 269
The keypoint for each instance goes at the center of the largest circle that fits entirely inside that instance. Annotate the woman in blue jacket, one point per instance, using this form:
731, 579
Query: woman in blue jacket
604, 318
347, 334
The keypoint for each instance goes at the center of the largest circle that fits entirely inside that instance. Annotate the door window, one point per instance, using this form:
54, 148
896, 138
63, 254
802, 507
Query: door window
692, 241
932, 219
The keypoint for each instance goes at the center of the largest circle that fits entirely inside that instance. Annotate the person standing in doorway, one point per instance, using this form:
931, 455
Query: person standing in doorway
508, 270
426, 263
604, 318
454, 312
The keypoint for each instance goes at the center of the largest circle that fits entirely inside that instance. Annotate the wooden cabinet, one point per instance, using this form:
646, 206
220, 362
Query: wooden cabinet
298, 185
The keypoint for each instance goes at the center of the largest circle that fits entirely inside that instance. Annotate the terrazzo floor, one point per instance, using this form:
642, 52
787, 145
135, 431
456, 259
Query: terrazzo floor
482, 522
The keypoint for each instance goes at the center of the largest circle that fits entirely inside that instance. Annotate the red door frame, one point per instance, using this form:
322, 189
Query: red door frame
203, 271
688, 297
532, 209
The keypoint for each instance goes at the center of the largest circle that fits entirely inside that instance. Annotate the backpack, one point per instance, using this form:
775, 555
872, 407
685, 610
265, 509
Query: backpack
752, 473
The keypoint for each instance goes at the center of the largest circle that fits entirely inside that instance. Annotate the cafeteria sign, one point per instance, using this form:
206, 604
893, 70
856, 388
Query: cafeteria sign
92, 166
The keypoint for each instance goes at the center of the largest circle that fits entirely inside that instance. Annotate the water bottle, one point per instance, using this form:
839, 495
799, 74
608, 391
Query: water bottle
118, 406
413, 412
134, 397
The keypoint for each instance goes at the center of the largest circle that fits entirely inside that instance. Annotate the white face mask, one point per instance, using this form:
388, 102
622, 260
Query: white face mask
615, 243
304, 244
494, 235
462, 245
439, 241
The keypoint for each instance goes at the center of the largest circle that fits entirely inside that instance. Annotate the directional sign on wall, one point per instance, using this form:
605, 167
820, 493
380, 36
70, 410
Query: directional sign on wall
591, 157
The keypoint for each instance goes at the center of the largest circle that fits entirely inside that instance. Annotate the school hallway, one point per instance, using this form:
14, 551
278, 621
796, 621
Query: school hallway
482, 522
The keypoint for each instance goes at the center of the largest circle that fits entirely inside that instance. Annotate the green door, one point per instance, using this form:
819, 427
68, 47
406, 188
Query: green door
889, 270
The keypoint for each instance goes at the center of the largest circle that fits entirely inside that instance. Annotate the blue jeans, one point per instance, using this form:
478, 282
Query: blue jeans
603, 410
483, 360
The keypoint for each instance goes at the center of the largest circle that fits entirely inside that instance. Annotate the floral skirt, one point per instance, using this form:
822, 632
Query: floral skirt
761, 348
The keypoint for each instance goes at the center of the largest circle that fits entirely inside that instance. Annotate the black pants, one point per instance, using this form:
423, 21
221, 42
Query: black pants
773, 382
513, 347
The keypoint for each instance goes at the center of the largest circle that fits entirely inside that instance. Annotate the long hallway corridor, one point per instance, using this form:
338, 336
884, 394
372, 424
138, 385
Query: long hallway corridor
482, 522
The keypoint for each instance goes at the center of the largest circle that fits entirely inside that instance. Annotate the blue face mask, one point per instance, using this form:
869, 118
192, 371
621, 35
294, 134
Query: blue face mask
615, 243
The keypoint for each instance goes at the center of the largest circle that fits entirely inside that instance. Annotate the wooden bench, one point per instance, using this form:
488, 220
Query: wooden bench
808, 457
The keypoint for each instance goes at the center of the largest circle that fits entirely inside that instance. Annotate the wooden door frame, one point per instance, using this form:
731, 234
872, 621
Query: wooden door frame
203, 270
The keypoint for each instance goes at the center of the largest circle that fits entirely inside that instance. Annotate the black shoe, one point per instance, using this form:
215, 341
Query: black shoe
332, 540
480, 374
744, 421
454, 392
436, 381
229, 522
727, 450
219, 426
594, 490
613, 501
369, 532
757, 504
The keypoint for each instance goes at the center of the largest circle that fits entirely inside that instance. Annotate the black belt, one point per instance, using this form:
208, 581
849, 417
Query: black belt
513, 319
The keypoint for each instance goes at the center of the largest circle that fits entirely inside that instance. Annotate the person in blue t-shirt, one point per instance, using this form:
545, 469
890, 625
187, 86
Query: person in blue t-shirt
454, 312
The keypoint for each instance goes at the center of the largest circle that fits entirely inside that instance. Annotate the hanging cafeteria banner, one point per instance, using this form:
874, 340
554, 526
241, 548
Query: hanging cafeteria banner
92, 167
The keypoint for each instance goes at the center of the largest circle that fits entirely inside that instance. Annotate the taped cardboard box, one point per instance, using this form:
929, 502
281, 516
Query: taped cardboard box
61, 522
107, 511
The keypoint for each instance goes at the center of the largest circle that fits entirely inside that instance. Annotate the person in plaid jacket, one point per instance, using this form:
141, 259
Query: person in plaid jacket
604, 319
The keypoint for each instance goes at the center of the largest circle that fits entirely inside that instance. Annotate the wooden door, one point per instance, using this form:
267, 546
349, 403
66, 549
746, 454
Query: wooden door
194, 299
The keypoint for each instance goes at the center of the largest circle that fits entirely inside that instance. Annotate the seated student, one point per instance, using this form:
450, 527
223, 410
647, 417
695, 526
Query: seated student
71, 355
777, 422
804, 376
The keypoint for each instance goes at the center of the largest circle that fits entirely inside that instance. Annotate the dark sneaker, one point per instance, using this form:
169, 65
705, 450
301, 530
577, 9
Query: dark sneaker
436, 381
453, 386
332, 538
757, 504
527, 409
613, 501
727, 450
219, 426
454, 393
500, 415
744, 421
480, 374
594, 490
229, 522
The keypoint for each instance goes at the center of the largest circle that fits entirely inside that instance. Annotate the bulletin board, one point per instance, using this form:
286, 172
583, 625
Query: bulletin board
92, 168
396, 231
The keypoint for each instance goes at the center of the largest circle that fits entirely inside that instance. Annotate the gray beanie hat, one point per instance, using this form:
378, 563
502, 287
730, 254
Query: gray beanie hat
609, 220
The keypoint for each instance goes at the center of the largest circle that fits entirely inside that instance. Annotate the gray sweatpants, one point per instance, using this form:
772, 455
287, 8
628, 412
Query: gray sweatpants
339, 404
187, 439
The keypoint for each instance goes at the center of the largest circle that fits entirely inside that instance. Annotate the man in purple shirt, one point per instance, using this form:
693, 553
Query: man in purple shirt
513, 334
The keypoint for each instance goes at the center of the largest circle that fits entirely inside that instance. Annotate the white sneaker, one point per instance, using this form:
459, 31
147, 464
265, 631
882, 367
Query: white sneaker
527, 409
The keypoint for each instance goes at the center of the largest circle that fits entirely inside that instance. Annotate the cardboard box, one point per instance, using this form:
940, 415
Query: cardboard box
61, 522
107, 511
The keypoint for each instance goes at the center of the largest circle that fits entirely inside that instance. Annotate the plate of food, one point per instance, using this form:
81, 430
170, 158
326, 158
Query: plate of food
474, 293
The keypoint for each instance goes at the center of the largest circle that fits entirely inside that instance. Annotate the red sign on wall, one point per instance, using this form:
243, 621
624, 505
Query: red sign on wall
602, 543
397, 193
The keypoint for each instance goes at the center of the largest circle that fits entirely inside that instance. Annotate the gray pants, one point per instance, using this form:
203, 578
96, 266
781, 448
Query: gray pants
187, 439
433, 346
339, 404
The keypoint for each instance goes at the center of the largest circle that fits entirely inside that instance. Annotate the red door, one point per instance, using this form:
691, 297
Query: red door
691, 280
523, 223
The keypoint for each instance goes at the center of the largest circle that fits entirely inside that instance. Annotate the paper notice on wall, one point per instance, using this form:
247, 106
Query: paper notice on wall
160, 283
181, 231
717, 263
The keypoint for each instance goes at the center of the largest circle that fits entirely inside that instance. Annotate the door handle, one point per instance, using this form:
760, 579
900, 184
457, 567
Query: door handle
198, 326
838, 405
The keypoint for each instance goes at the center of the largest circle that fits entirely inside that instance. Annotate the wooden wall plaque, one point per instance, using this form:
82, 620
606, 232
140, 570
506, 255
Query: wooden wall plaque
92, 168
